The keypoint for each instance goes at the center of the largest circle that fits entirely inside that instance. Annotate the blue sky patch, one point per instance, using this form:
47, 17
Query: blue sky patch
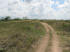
55, 5
60, 1
22, 0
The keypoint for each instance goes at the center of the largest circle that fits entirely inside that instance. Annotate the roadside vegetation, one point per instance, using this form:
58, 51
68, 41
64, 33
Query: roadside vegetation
19, 36
62, 28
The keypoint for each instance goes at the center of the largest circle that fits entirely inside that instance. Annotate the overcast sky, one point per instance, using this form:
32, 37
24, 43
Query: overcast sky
40, 9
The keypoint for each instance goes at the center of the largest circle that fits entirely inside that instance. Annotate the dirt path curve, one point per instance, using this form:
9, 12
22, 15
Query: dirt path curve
55, 41
44, 42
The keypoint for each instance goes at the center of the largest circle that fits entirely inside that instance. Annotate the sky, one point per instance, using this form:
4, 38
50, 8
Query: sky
36, 9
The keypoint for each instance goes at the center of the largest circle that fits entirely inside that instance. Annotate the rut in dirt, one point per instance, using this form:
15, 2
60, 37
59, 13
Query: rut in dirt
44, 42
55, 47
55, 41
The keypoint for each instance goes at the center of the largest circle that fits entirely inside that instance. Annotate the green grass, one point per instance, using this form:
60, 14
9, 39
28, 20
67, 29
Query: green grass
62, 28
19, 36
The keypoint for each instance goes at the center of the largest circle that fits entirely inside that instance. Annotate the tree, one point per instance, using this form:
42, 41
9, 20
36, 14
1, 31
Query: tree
17, 19
7, 18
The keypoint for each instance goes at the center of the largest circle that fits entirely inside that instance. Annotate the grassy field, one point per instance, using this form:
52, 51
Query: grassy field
63, 30
21, 36
18, 36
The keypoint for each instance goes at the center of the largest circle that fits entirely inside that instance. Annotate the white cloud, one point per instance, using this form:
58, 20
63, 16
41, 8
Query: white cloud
63, 5
3, 7
51, 2
35, 9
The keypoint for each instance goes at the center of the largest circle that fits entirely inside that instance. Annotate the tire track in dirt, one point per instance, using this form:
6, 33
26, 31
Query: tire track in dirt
44, 42
55, 43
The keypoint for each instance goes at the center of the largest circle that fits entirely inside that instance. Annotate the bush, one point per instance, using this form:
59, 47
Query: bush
7, 18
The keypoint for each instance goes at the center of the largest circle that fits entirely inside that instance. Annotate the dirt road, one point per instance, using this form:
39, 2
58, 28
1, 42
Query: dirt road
43, 45
44, 42
55, 41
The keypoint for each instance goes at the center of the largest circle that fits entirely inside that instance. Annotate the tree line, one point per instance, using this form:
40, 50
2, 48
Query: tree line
8, 18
